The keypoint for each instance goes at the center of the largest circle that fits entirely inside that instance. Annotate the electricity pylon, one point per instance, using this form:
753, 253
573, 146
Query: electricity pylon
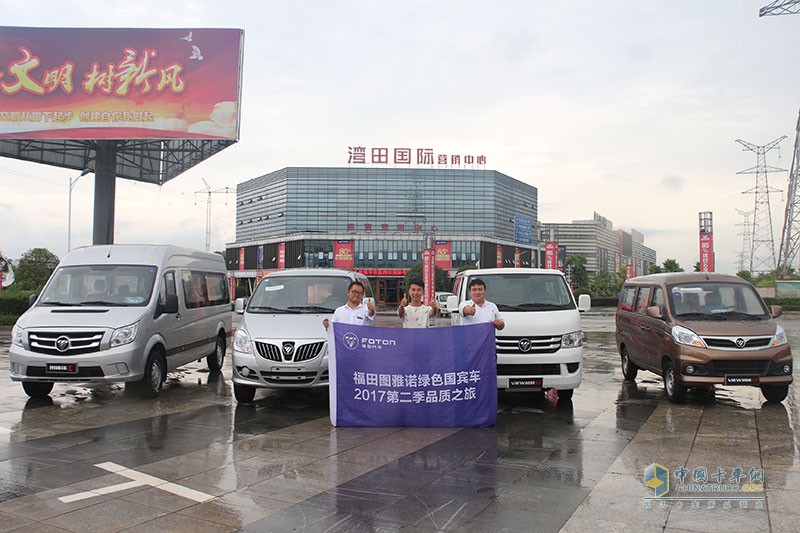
780, 7
744, 255
790, 235
762, 250
208, 192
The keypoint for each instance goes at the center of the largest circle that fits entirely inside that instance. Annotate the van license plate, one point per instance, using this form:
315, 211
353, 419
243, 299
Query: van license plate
742, 380
525, 383
62, 368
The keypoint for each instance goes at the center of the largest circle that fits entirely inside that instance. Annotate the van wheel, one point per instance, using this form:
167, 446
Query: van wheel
629, 370
565, 394
775, 393
243, 393
36, 389
150, 384
217, 357
675, 392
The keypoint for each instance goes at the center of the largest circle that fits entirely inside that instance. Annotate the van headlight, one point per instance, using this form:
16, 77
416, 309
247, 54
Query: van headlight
686, 336
17, 335
572, 340
241, 341
123, 336
780, 337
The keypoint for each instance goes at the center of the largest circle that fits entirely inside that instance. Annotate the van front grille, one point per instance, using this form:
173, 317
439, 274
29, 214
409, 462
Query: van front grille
304, 352
756, 367
730, 343
552, 369
528, 345
65, 343
83, 372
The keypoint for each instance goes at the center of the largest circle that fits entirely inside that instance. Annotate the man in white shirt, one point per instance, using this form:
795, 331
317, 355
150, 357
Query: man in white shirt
479, 309
354, 311
414, 313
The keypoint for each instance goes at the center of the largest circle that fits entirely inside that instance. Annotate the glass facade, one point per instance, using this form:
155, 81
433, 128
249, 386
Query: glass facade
383, 201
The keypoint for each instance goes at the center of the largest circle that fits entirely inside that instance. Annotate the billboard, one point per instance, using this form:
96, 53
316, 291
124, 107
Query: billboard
706, 252
551, 255
344, 254
120, 83
443, 254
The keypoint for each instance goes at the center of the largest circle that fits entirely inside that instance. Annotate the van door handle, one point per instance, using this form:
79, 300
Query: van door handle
646, 328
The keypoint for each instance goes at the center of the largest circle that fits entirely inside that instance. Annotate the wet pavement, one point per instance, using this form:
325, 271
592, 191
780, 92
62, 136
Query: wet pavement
98, 459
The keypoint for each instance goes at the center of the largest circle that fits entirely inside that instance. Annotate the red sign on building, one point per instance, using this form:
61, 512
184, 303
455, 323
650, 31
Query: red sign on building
428, 275
343, 255
282, 255
443, 254
706, 252
551, 255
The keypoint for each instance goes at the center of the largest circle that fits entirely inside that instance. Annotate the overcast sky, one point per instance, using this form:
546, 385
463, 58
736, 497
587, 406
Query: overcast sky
627, 108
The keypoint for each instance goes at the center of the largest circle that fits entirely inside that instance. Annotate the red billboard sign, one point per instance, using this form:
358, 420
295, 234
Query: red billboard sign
120, 83
706, 252
343, 254
282, 255
443, 257
551, 255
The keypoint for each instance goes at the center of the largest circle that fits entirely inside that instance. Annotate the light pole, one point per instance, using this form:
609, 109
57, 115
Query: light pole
72, 182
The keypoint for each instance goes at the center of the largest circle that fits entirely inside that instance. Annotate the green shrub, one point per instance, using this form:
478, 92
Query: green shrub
13, 304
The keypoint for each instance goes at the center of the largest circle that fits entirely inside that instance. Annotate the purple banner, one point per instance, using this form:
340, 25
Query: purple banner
437, 377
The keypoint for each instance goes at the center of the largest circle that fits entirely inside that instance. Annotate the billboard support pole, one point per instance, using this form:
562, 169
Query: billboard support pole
105, 176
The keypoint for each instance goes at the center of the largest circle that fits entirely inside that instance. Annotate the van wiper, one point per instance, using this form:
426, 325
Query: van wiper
541, 305
56, 302
313, 308
507, 307
739, 314
268, 309
700, 316
102, 302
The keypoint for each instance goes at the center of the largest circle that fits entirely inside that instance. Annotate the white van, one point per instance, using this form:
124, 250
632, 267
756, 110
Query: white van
126, 313
541, 346
280, 341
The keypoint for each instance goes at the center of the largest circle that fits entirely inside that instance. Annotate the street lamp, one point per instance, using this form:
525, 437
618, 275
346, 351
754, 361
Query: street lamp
72, 182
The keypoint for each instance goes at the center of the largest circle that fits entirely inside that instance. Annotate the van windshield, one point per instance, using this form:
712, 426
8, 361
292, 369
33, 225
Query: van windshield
301, 294
717, 301
100, 285
528, 292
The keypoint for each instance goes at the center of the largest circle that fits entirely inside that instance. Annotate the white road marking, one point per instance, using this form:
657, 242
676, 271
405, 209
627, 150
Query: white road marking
138, 480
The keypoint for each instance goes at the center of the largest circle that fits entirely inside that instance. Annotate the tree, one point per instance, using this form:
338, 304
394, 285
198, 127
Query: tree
578, 276
604, 284
655, 269
745, 275
35, 267
443, 282
697, 267
671, 265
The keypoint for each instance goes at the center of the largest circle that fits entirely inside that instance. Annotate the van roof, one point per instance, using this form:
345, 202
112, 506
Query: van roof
484, 271
313, 272
669, 278
137, 254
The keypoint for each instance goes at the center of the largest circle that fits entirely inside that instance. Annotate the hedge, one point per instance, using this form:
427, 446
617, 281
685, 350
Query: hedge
12, 304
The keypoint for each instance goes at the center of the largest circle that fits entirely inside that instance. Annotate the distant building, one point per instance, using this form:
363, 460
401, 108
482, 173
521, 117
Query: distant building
378, 220
604, 248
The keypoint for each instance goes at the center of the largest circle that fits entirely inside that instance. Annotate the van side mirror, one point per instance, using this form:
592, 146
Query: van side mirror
584, 302
654, 311
32, 299
171, 304
239, 305
776, 310
452, 303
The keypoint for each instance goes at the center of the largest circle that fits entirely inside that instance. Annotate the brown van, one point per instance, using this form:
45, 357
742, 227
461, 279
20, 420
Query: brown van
702, 329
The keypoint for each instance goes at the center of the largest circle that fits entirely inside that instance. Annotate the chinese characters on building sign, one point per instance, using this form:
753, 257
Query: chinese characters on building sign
361, 155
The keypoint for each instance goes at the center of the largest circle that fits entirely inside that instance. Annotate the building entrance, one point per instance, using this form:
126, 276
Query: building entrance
390, 290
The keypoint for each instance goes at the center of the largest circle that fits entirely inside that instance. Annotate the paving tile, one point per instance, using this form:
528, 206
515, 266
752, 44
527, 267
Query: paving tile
108, 516
235, 509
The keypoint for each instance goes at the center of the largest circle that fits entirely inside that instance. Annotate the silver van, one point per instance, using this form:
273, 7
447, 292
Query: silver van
129, 313
280, 342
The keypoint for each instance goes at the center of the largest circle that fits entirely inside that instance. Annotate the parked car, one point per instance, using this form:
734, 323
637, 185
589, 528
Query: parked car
700, 330
127, 313
280, 342
541, 346
441, 303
